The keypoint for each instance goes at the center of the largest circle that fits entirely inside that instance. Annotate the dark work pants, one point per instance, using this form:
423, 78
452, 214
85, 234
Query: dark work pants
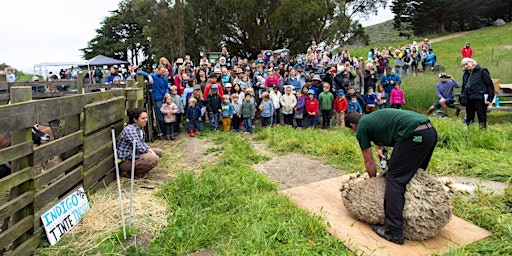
326, 118
480, 108
405, 160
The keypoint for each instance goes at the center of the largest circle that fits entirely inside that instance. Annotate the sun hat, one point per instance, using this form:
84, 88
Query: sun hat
317, 78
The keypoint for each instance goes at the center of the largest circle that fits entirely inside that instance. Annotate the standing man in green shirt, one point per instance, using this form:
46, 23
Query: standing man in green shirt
413, 139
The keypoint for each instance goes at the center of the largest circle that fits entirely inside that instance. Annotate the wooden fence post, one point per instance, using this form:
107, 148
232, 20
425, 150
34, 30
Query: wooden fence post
80, 83
21, 94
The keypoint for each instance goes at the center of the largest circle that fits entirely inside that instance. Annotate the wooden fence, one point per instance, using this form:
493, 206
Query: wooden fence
74, 87
83, 141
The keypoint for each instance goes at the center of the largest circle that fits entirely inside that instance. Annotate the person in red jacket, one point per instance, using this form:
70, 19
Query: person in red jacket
467, 52
213, 80
312, 108
340, 107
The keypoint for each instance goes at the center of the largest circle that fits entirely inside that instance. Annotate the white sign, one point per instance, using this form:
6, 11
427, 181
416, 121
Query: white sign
61, 218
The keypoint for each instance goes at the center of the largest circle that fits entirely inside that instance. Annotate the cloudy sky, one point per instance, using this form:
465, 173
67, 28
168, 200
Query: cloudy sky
54, 30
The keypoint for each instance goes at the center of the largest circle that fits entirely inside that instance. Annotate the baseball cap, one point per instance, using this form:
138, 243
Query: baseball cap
197, 87
340, 92
214, 87
442, 75
228, 85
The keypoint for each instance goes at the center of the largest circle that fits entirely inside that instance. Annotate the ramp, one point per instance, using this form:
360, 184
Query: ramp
323, 198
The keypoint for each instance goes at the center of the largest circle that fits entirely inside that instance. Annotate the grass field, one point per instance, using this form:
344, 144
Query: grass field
229, 209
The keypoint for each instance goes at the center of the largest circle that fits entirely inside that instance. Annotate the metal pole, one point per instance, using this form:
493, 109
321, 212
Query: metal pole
131, 187
118, 180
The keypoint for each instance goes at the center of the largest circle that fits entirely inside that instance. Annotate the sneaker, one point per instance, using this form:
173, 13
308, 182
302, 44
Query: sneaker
383, 232
191, 133
464, 121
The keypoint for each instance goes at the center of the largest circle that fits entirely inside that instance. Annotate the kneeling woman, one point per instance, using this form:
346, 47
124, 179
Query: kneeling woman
146, 157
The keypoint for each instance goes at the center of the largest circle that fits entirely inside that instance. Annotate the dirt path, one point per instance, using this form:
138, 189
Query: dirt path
293, 169
453, 35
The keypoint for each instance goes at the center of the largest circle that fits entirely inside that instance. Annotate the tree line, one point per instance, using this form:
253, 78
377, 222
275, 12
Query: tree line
421, 17
174, 28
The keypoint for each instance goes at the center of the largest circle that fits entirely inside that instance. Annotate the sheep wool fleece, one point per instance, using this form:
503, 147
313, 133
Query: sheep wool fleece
427, 207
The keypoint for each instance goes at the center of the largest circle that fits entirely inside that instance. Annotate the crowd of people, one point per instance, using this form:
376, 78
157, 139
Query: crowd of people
283, 88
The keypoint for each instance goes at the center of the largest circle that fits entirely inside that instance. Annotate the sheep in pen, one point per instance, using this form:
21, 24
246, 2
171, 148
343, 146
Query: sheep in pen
427, 207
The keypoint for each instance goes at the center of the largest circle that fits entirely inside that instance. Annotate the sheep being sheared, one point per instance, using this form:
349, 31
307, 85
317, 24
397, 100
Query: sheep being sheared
427, 206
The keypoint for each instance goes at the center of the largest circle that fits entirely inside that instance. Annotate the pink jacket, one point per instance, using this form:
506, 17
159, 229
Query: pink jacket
169, 112
397, 96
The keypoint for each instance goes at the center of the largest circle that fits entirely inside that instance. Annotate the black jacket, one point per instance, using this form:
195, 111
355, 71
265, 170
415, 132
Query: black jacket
213, 102
476, 83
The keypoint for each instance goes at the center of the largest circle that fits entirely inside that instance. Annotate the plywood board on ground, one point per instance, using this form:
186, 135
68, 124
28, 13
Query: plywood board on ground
324, 198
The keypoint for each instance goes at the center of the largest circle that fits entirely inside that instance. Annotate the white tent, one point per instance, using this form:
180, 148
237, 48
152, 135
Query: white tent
44, 65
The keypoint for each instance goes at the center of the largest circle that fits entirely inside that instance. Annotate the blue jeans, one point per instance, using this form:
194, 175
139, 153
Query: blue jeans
214, 121
193, 124
248, 124
159, 116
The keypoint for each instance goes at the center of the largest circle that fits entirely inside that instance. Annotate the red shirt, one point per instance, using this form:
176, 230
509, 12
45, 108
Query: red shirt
340, 105
312, 106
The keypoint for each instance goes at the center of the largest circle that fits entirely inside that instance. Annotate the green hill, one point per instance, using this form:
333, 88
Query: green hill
383, 33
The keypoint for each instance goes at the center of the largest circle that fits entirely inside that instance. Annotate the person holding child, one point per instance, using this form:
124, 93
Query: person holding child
340, 108
288, 103
193, 116
169, 110
226, 112
326, 100
312, 108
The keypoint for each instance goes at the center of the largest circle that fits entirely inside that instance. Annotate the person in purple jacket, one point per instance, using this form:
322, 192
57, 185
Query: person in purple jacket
299, 109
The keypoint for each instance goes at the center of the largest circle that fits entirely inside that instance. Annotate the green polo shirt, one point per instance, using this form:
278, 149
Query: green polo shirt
387, 126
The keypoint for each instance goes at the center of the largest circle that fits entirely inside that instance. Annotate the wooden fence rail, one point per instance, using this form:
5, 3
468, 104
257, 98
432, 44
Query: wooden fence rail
83, 142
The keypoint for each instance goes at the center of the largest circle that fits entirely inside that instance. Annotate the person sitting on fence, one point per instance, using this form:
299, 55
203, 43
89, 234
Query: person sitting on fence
146, 158
444, 91
37, 88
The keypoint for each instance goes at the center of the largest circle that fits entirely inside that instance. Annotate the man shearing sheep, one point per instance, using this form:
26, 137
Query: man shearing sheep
413, 139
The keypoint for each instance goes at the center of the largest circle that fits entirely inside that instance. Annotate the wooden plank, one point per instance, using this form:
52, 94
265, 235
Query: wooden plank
15, 231
27, 247
53, 191
58, 170
103, 183
97, 172
98, 139
47, 95
15, 179
500, 108
57, 108
56, 147
323, 198
16, 204
72, 124
17, 116
97, 156
102, 114
102, 96
16, 151
43, 83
